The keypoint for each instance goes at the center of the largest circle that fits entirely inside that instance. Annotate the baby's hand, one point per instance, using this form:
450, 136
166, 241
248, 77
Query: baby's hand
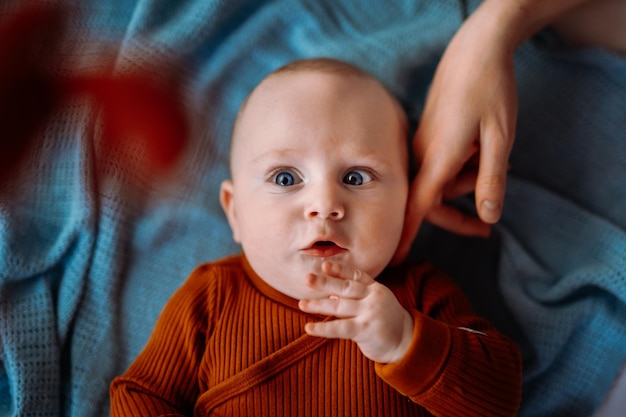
367, 312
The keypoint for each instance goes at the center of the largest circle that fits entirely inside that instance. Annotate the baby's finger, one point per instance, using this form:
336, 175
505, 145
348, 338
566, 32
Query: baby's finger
334, 329
338, 270
339, 287
333, 306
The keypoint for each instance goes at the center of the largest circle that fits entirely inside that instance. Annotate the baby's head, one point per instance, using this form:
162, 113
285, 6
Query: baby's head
319, 166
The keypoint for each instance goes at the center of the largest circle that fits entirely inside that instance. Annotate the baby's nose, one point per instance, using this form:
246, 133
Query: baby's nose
326, 205
333, 214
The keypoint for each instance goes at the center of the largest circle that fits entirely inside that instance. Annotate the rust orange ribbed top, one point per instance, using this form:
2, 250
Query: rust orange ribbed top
225, 319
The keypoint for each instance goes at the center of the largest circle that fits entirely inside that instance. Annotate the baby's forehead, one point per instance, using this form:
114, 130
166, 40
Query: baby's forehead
278, 87
303, 88
314, 80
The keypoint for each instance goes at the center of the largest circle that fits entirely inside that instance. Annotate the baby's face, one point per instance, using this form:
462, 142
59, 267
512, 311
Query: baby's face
320, 172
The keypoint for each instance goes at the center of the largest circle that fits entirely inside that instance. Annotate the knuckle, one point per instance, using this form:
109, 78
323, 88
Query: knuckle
339, 305
312, 305
347, 287
365, 324
379, 291
336, 269
350, 329
492, 182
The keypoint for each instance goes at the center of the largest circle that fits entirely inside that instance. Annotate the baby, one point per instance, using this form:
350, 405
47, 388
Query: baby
310, 320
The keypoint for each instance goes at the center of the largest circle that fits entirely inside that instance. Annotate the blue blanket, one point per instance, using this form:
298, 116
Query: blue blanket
89, 252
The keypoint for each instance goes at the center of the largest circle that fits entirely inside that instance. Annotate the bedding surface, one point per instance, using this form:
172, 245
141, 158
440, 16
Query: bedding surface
111, 199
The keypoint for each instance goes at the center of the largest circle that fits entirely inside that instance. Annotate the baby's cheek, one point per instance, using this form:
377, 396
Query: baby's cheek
381, 246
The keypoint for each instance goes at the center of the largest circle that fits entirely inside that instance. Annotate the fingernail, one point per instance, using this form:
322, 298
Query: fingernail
490, 211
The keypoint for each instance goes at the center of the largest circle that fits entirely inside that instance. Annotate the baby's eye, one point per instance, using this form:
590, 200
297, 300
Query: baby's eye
286, 178
357, 177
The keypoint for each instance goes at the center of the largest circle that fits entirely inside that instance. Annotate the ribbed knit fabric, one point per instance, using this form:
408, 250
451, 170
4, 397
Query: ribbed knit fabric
225, 319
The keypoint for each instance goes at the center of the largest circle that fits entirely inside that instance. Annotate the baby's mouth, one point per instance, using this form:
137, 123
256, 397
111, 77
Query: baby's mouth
324, 243
324, 249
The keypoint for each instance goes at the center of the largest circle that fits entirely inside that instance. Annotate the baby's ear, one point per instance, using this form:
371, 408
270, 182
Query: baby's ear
227, 199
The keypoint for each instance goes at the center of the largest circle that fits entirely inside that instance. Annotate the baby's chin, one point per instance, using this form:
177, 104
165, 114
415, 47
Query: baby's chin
374, 267
313, 265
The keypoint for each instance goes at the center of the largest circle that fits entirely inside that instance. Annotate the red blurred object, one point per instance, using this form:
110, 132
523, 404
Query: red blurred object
27, 92
137, 113
136, 110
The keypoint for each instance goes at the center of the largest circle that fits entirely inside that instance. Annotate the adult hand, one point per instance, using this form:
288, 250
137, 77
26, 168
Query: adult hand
366, 312
465, 134
470, 115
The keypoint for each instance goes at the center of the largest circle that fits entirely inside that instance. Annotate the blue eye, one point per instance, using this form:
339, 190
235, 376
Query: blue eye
356, 178
285, 178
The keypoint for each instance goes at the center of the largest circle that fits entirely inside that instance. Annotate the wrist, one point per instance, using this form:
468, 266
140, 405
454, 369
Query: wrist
423, 363
407, 337
514, 21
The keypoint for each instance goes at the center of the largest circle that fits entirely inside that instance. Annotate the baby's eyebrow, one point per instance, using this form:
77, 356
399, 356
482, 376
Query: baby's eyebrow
361, 157
370, 157
282, 153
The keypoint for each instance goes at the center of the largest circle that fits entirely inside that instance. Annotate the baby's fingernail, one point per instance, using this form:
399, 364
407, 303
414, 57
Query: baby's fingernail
490, 211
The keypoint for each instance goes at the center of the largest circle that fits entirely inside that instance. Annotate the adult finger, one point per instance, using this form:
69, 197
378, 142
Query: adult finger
424, 192
462, 185
453, 220
492, 171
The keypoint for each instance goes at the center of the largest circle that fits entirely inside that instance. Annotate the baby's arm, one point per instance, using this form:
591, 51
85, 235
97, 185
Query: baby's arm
163, 378
458, 363
443, 356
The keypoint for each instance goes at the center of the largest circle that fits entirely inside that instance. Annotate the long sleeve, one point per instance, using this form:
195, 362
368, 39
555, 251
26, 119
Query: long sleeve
458, 363
163, 378
225, 319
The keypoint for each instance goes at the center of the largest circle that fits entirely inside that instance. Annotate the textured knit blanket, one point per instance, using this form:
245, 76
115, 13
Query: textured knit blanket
92, 243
